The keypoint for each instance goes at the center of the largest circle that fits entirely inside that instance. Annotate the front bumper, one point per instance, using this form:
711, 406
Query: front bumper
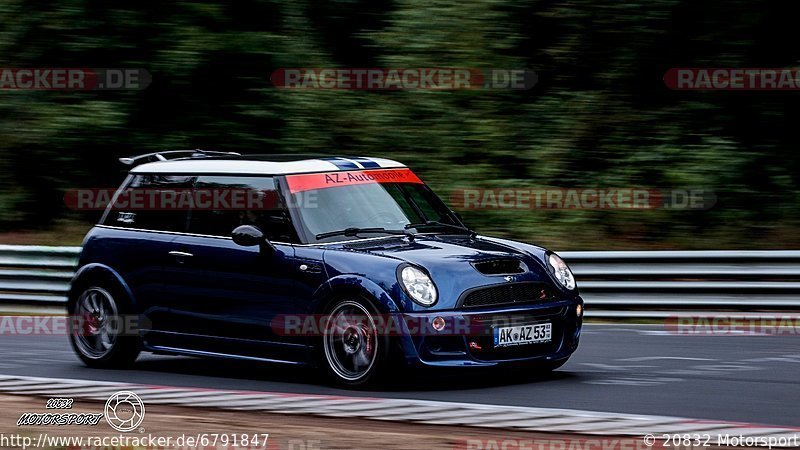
468, 340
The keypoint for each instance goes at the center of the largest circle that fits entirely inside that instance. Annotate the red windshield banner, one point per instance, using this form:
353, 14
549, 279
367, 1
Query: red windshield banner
311, 181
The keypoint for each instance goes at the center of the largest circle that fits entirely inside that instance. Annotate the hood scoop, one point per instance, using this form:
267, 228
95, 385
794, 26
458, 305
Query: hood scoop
505, 266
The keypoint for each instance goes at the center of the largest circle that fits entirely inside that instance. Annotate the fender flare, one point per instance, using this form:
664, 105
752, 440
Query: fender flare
96, 270
354, 284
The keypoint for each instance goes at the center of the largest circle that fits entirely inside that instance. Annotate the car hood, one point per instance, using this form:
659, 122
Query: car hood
455, 263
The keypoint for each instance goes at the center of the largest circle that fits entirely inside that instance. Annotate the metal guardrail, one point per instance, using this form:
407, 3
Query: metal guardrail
658, 284
34, 274
617, 284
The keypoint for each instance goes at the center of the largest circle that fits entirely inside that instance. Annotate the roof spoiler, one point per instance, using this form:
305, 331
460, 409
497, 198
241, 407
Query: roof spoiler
173, 154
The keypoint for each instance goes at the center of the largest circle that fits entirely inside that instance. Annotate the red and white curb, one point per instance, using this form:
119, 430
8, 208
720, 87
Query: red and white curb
516, 418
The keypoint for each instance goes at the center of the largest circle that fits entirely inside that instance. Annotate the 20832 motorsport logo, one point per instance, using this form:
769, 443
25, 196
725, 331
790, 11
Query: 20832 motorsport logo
124, 411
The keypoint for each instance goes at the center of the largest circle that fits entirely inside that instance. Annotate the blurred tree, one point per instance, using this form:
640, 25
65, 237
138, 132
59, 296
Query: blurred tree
599, 117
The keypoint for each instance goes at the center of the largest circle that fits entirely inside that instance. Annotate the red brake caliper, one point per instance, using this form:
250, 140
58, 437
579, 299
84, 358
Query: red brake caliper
369, 341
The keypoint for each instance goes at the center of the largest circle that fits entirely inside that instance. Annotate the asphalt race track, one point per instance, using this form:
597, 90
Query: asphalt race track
618, 368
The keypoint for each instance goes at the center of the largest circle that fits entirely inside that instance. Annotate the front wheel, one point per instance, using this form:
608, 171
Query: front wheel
354, 350
97, 329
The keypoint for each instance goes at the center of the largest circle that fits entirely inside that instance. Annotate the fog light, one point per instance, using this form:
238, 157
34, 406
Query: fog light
579, 310
438, 323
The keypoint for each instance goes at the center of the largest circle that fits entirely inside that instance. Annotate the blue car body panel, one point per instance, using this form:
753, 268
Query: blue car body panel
229, 300
205, 295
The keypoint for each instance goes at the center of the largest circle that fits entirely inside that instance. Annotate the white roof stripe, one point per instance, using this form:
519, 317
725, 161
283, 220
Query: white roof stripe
255, 167
383, 162
352, 161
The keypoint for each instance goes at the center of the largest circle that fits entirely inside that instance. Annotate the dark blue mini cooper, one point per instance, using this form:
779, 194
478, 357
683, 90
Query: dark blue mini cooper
347, 264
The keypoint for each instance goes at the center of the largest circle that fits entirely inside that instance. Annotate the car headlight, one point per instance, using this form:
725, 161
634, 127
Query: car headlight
418, 285
561, 271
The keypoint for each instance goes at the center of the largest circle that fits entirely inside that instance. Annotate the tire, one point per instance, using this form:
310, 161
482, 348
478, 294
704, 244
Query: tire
97, 316
353, 351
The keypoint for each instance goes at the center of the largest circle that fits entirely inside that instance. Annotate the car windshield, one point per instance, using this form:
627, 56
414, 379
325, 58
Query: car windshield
368, 210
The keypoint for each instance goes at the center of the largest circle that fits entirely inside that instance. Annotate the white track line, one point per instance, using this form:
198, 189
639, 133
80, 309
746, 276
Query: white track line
399, 410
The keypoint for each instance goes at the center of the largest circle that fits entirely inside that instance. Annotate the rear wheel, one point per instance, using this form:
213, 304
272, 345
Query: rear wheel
354, 351
97, 328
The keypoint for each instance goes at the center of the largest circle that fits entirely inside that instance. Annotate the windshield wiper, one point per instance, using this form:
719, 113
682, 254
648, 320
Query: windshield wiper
356, 231
434, 223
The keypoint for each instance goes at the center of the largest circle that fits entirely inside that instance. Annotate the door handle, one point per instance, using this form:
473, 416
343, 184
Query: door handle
178, 254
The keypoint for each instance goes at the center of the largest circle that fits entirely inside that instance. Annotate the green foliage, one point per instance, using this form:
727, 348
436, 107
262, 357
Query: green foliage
599, 117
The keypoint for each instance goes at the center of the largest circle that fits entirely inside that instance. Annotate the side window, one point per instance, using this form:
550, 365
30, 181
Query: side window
148, 202
419, 197
417, 203
234, 201
399, 195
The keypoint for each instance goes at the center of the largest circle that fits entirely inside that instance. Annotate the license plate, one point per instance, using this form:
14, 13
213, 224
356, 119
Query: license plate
525, 334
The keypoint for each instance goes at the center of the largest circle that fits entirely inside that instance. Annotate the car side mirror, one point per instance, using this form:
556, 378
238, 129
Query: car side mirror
248, 236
